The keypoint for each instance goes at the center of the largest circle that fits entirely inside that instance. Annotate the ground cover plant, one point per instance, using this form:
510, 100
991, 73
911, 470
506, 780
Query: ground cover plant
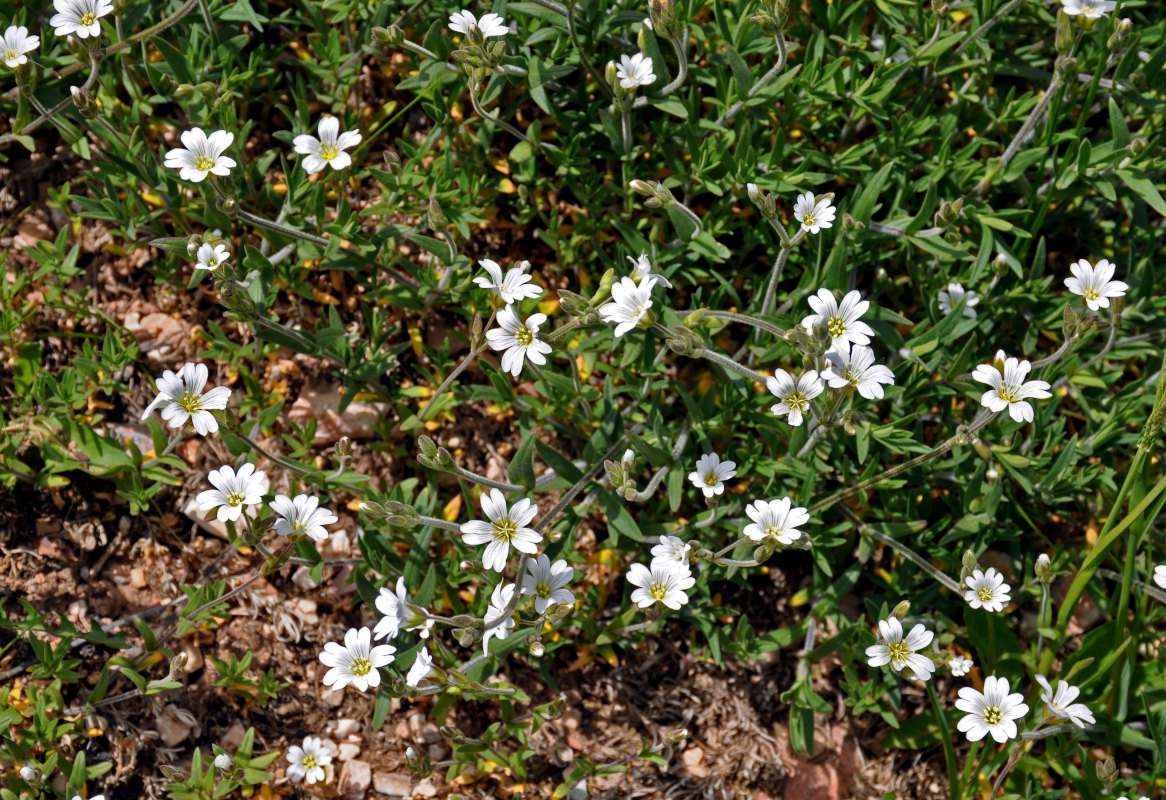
567, 399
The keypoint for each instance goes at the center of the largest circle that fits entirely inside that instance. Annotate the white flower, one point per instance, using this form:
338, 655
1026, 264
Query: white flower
519, 339
547, 582
15, 44
642, 268
794, 394
329, 149
28, 773
1010, 390
959, 666
79, 17
1061, 704
233, 490
307, 762
991, 712
711, 474
499, 602
775, 519
662, 582
356, 662
181, 398
672, 549
1160, 575
840, 321
489, 25
422, 628
1094, 284
211, 258
302, 515
506, 527
987, 590
854, 366
950, 298
422, 668
223, 761
899, 651
635, 71
1090, 9
514, 287
814, 215
629, 303
201, 155
395, 608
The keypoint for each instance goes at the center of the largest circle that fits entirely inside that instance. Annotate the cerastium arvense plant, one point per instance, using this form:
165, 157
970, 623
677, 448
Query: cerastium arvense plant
857, 295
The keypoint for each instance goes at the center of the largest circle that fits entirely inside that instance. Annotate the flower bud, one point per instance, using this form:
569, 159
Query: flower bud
465, 636
851, 419
663, 16
900, 611
84, 102
1137, 146
607, 281
1043, 565
228, 206
684, 341
400, 515
223, 761
678, 735
1066, 36
1120, 37
1107, 773
436, 219
628, 461
556, 707
615, 473
29, 773
537, 649
968, 564
1066, 69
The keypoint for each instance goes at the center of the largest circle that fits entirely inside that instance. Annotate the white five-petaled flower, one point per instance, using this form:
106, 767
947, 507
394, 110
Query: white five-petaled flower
1094, 284
629, 303
711, 473
794, 394
952, 294
79, 17
212, 257
395, 608
201, 155
181, 398
308, 762
987, 590
547, 581
1160, 575
422, 668
356, 661
813, 214
672, 549
959, 666
854, 366
496, 616
1061, 705
635, 71
223, 761
329, 149
1009, 389
15, 44
507, 526
642, 268
515, 286
775, 519
840, 321
901, 651
233, 490
990, 712
302, 514
489, 25
662, 582
1090, 9
519, 340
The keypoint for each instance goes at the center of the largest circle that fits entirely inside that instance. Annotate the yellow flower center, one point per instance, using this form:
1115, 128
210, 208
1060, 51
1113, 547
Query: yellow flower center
836, 326
773, 531
658, 591
212, 262
328, 151
309, 761
809, 220
797, 401
1091, 293
524, 336
361, 666
543, 590
504, 529
204, 163
88, 18
9, 55
899, 652
711, 479
993, 715
1008, 394
984, 593
236, 499
190, 403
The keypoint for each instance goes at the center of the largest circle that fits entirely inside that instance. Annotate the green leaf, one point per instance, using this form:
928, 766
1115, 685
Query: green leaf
1144, 189
522, 465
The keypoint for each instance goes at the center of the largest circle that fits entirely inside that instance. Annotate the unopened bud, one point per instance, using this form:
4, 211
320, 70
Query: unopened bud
1066, 69
228, 206
223, 761
607, 281
537, 649
399, 515
851, 419
1120, 37
1107, 772
29, 773
436, 219
615, 473
465, 637
900, 611
84, 102
678, 735
968, 564
628, 462
1066, 35
1043, 565
1137, 146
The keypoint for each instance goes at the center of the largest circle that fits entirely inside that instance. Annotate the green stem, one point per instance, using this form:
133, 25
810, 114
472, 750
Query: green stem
681, 66
955, 786
987, 26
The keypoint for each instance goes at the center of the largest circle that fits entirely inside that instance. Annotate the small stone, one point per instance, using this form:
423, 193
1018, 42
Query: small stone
394, 784
346, 726
579, 791
138, 578
234, 736
332, 697
355, 778
348, 751
175, 724
425, 789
